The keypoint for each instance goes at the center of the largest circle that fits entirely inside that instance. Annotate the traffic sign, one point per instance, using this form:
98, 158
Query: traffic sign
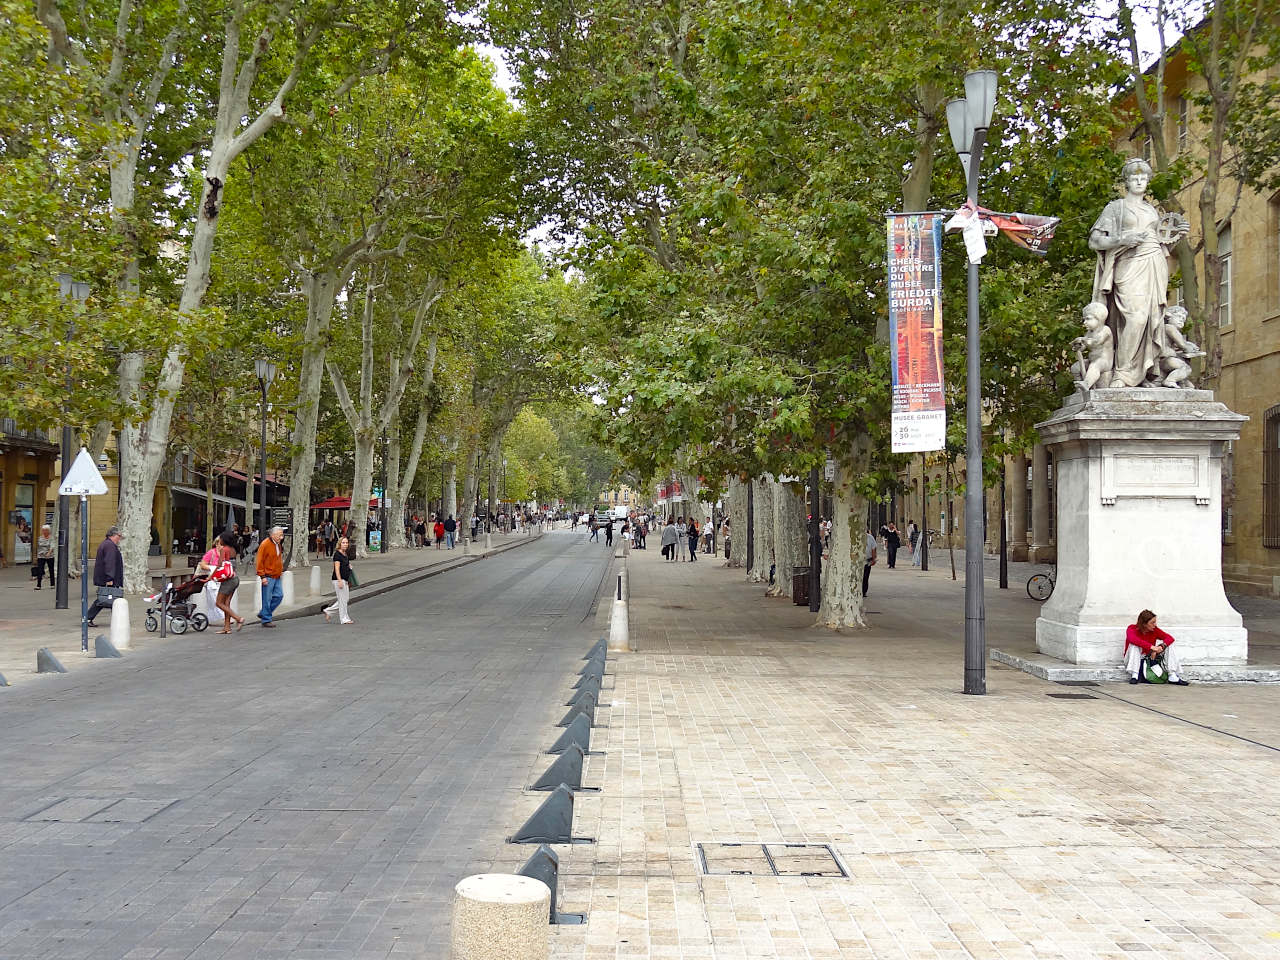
83, 480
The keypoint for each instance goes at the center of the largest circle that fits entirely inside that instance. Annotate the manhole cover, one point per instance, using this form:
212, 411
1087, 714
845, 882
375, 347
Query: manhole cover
769, 860
1072, 696
803, 860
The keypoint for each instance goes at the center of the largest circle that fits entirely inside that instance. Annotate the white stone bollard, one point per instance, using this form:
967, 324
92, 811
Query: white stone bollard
287, 594
317, 586
466, 547
120, 626
619, 628
501, 916
488, 540
250, 595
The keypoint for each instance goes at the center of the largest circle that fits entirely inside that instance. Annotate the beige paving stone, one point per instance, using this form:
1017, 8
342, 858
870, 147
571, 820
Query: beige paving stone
1008, 826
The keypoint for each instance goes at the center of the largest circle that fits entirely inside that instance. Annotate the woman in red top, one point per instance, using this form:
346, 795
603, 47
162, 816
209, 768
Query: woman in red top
1144, 638
439, 532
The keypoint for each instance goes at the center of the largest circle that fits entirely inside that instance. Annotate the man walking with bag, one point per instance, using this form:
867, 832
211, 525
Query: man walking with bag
270, 568
108, 573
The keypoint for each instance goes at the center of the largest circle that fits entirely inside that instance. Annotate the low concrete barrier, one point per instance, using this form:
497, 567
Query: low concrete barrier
120, 629
287, 593
619, 628
317, 584
501, 916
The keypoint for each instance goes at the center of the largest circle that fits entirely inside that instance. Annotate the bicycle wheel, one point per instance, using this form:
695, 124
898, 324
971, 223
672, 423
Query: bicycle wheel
1040, 587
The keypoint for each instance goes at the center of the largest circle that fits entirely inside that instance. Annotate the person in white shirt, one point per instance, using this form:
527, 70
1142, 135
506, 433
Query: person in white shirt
870, 561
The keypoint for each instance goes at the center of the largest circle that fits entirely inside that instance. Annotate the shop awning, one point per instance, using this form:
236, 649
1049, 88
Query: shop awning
341, 503
201, 496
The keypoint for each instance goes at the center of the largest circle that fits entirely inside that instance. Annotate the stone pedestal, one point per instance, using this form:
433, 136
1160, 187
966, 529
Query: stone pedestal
1138, 474
501, 916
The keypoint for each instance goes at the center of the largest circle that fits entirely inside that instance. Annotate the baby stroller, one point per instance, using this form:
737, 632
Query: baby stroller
182, 606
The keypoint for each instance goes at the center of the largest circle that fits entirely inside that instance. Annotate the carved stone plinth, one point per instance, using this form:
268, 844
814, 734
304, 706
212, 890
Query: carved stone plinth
1138, 475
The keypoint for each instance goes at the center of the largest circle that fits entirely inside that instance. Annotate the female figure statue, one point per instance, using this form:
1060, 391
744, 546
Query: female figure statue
1132, 277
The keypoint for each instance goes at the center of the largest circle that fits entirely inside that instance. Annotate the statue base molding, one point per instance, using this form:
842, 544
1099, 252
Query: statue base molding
1138, 476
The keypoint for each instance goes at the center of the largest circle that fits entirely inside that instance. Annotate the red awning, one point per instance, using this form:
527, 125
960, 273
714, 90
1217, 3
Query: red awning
341, 503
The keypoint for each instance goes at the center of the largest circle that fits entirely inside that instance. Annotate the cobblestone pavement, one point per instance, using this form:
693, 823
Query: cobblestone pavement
1124, 822
312, 792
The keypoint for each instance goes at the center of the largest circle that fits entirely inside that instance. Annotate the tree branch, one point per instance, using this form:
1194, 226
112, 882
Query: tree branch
48, 13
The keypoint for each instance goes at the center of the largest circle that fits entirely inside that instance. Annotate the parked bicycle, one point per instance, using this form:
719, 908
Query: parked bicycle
1040, 586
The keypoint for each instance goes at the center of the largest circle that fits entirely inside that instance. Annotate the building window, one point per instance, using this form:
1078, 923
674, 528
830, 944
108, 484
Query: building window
1224, 284
1182, 124
1271, 477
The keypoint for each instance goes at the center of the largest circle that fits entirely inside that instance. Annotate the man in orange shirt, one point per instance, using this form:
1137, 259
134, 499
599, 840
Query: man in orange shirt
270, 568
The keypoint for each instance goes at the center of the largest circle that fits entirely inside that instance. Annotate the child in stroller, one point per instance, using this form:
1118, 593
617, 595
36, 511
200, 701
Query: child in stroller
182, 608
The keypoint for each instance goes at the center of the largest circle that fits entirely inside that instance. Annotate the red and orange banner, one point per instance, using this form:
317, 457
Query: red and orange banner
915, 331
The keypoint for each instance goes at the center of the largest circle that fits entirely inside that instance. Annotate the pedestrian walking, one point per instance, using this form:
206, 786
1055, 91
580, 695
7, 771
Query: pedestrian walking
108, 573
692, 534
682, 534
438, 530
341, 577
626, 539
869, 562
608, 532
450, 530
226, 581
269, 566
670, 537
913, 537
595, 530
892, 541
726, 534
44, 556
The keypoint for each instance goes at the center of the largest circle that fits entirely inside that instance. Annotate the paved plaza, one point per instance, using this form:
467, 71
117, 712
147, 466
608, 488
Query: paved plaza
317, 794
1115, 822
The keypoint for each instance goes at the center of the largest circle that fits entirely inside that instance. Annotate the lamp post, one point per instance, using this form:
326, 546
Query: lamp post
383, 527
266, 372
968, 119
68, 289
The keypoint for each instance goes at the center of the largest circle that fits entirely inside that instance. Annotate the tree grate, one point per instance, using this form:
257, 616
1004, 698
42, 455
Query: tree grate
769, 860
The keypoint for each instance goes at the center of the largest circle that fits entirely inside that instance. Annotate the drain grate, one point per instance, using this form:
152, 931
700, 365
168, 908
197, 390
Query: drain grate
1071, 696
769, 860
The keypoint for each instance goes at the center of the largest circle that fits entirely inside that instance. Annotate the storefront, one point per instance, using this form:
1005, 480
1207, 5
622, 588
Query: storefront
26, 466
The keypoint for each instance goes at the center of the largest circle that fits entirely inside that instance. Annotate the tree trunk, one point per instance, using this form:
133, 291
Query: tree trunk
361, 489
393, 522
790, 540
842, 601
762, 529
470, 481
321, 290
737, 522
451, 480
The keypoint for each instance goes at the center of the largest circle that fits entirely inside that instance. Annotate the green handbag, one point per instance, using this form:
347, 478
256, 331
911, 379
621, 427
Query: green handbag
1154, 670
353, 582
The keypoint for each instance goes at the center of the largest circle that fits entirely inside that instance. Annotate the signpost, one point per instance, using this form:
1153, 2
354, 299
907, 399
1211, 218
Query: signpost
83, 480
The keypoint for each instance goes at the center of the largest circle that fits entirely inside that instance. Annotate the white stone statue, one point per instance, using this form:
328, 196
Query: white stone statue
1175, 363
1095, 369
1132, 277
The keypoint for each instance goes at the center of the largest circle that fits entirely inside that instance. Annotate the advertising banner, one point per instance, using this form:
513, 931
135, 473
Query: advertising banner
915, 331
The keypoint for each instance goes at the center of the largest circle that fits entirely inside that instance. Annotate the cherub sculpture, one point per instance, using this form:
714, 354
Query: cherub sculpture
1096, 368
1178, 350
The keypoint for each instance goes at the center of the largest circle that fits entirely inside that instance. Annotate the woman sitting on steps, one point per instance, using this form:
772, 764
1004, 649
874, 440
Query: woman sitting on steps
1145, 639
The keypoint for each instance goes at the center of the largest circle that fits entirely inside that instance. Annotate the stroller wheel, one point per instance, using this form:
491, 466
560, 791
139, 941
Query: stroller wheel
178, 623
200, 622
152, 623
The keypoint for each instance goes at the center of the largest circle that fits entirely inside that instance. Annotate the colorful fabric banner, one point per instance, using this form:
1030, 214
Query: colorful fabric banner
915, 331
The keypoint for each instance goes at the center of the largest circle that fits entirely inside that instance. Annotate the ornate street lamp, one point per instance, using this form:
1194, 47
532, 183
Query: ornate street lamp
266, 373
968, 120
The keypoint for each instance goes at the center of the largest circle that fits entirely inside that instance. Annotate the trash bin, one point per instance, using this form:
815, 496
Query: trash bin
800, 586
